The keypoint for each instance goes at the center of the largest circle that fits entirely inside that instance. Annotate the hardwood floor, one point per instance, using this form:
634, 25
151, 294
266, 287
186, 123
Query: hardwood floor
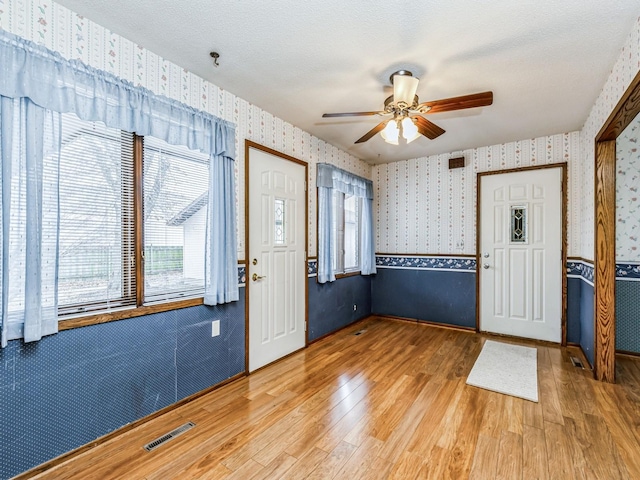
388, 403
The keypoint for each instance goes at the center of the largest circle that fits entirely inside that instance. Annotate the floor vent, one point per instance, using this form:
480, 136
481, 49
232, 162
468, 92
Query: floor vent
360, 332
576, 362
168, 436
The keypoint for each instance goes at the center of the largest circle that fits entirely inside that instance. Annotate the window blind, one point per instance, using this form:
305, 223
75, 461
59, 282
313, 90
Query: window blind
96, 250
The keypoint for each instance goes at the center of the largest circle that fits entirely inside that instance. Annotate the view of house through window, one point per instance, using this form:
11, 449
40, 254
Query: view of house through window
175, 207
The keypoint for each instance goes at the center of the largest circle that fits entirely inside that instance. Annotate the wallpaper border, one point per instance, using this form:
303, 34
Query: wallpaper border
427, 262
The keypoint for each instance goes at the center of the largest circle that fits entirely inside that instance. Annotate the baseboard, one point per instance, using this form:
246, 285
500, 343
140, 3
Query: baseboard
625, 353
363, 319
54, 462
426, 323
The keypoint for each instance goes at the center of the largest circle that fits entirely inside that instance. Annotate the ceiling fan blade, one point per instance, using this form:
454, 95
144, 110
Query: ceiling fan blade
377, 129
427, 128
457, 103
351, 114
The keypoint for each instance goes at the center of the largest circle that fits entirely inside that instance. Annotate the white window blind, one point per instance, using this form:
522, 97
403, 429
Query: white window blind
96, 251
175, 208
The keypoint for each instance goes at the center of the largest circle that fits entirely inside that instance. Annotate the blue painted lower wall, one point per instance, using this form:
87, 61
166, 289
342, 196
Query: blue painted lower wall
442, 296
628, 316
331, 304
574, 289
586, 320
449, 297
75, 386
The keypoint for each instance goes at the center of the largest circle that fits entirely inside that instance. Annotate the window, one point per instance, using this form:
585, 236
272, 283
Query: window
175, 207
97, 244
346, 215
84, 256
96, 249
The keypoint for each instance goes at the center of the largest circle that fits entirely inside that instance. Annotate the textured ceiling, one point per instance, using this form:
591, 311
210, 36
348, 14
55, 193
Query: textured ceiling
545, 60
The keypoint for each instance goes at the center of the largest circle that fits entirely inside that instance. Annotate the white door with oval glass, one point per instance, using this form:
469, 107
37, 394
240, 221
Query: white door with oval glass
520, 264
276, 270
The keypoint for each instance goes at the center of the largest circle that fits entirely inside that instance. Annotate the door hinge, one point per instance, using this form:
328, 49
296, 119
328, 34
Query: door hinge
305, 185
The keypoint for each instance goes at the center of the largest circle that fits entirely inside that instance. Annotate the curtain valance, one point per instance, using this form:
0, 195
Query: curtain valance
330, 176
28, 70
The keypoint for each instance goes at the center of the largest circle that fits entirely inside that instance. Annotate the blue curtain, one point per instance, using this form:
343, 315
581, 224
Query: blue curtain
367, 241
330, 179
29, 139
221, 256
44, 82
326, 238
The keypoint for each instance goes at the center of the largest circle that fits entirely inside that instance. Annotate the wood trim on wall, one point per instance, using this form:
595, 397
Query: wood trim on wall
248, 144
604, 310
564, 200
579, 259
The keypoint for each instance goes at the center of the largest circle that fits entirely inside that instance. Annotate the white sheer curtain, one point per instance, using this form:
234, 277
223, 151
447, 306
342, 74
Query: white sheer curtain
329, 179
29, 146
44, 81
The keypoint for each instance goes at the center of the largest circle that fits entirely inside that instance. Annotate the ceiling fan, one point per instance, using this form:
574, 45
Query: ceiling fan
407, 111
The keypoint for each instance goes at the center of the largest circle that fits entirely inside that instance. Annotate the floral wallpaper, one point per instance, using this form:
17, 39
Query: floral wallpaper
623, 71
74, 36
627, 194
425, 208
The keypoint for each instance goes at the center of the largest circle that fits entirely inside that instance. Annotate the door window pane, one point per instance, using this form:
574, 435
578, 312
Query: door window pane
519, 224
279, 222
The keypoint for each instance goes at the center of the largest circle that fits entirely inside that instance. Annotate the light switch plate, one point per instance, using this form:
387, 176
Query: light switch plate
215, 328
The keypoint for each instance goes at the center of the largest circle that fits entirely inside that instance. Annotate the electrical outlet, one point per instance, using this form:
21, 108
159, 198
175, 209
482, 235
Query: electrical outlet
355, 307
215, 328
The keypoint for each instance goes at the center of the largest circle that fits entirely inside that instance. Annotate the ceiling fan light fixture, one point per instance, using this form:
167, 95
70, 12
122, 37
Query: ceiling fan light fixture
409, 130
404, 88
391, 132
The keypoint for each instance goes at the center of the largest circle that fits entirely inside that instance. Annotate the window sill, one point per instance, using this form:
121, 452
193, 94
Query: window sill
347, 274
105, 317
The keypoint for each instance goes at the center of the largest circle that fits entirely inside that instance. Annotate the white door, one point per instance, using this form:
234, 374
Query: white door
276, 266
520, 261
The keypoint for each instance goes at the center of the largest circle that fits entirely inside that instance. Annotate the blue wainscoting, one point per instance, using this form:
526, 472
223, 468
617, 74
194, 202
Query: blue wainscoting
580, 298
587, 334
331, 304
75, 386
429, 289
627, 315
574, 291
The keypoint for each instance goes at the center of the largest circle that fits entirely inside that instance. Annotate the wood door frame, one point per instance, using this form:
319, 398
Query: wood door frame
563, 219
248, 144
604, 265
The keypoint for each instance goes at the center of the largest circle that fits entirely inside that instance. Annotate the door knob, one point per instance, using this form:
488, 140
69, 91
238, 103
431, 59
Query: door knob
485, 266
486, 255
255, 277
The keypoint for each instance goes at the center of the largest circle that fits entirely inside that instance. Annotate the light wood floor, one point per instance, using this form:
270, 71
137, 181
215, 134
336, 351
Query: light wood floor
389, 403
